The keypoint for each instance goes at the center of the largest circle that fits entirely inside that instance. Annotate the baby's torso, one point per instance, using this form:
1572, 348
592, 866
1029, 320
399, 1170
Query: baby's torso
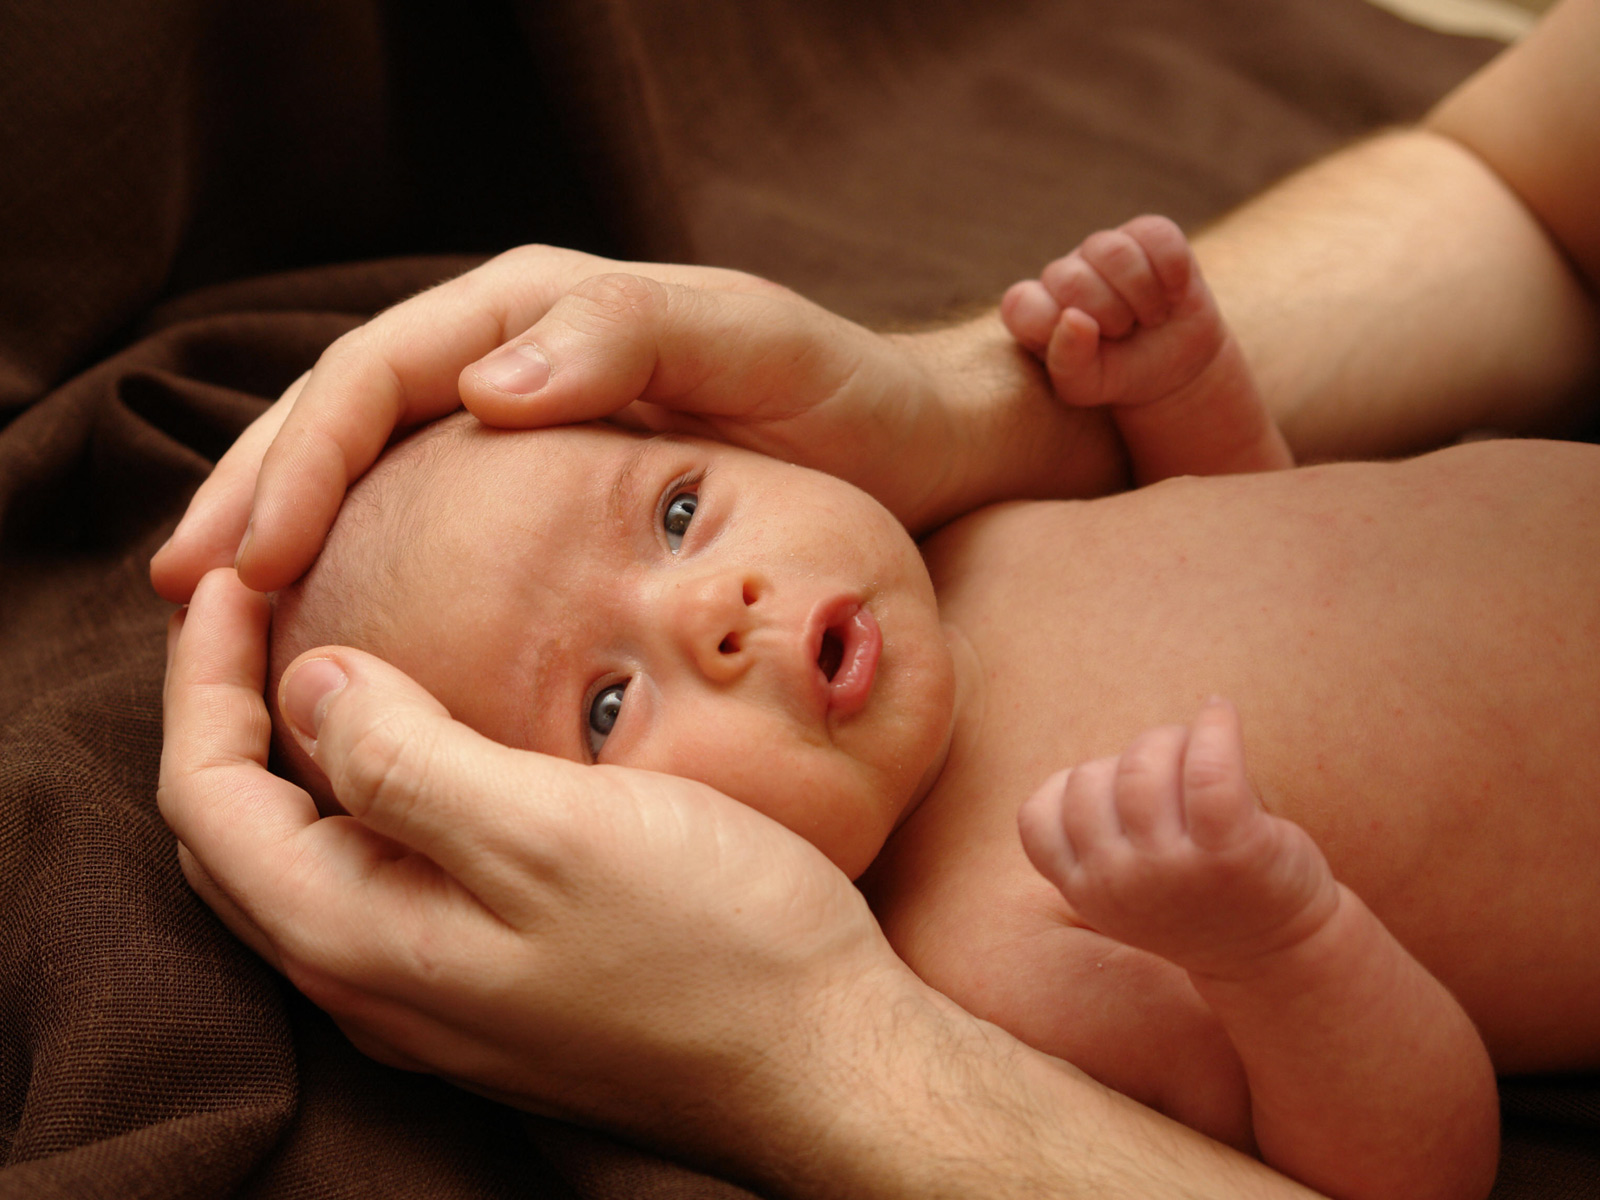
1415, 652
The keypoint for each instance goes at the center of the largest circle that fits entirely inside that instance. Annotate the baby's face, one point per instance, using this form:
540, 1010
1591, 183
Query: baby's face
685, 607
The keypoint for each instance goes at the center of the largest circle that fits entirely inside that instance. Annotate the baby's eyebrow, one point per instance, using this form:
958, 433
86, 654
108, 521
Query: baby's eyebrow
625, 487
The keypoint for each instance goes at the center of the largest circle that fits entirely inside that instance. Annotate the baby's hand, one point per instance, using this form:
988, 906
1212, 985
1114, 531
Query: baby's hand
1124, 319
1127, 320
1167, 849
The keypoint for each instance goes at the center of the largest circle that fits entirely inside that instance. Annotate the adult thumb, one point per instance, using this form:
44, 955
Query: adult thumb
398, 763
746, 354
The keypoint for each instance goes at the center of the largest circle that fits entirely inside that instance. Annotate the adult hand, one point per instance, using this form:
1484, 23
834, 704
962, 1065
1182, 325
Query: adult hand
630, 950
557, 934
932, 424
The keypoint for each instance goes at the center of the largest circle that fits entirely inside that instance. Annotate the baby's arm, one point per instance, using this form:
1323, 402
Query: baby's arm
1127, 321
1366, 1077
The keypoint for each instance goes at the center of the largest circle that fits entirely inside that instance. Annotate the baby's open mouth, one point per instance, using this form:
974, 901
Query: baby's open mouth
848, 645
832, 653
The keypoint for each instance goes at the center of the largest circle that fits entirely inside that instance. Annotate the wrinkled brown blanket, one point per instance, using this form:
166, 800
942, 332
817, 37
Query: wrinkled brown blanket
176, 178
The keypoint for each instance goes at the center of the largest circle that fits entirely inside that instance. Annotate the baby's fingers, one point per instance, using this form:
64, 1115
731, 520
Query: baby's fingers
1030, 314
1148, 787
1075, 283
1126, 268
1217, 797
1044, 835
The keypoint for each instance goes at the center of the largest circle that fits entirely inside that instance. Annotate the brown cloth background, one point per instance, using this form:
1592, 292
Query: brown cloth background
178, 184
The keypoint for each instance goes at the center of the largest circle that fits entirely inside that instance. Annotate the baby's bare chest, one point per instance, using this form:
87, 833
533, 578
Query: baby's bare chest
1417, 682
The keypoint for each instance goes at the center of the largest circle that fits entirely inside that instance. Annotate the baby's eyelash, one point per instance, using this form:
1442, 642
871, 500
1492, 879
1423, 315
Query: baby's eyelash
594, 738
690, 482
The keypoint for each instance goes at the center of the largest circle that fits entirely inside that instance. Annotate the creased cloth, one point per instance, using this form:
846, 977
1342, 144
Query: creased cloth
183, 189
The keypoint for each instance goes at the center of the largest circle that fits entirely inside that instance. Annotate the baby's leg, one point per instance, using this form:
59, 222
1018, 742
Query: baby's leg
1366, 1078
1126, 320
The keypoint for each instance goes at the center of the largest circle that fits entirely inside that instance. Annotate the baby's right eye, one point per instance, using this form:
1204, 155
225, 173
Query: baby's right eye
675, 519
604, 710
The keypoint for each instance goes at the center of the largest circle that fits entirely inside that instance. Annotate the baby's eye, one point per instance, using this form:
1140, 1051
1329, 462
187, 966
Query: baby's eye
675, 520
604, 710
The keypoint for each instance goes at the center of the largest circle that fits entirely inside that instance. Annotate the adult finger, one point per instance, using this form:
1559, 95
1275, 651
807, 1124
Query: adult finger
214, 785
397, 370
209, 533
336, 906
219, 902
497, 820
751, 354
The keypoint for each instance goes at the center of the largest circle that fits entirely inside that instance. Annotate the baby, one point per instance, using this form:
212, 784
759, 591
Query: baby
1422, 720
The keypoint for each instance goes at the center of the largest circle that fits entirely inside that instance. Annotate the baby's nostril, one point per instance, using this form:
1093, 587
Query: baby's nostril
749, 594
729, 644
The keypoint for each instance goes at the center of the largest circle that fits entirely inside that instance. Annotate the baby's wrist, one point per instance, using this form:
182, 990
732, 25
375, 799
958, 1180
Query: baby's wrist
1316, 944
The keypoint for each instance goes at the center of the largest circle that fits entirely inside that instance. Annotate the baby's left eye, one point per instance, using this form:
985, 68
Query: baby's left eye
604, 710
675, 519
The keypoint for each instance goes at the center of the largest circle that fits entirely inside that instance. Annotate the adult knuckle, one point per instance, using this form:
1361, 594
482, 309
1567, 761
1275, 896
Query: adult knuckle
349, 348
617, 298
530, 256
386, 767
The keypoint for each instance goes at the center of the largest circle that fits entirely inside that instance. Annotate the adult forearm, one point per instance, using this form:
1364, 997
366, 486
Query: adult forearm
991, 429
946, 1105
1398, 294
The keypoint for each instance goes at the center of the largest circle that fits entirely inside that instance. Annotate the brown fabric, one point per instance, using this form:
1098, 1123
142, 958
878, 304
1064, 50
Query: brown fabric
159, 162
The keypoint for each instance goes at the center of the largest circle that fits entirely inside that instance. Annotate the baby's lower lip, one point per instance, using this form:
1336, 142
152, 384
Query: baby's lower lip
860, 643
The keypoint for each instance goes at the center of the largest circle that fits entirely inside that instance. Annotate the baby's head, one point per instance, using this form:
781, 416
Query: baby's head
656, 602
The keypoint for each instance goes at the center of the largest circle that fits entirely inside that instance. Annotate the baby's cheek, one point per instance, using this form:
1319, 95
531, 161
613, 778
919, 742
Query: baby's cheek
817, 792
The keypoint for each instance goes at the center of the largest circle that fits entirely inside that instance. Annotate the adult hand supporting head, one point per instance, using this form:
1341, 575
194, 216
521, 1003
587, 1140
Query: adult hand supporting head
629, 950
932, 424
559, 935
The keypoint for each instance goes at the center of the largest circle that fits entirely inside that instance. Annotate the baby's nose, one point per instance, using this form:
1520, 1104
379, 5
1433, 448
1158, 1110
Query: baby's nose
713, 617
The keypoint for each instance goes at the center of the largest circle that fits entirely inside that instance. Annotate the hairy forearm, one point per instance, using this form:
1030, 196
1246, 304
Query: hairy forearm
1001, 434
936, 1103
1397, 295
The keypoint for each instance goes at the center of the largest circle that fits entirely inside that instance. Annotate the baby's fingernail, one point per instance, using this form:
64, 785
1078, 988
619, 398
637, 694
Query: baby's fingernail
518, 369
244, 543
305, 693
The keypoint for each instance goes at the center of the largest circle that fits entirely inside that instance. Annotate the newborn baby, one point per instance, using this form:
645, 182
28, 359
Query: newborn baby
1414, 645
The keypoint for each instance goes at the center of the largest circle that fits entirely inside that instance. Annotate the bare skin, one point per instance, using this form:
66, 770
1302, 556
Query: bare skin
1341, 632
1126, 322
1387, 299
1249, 993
